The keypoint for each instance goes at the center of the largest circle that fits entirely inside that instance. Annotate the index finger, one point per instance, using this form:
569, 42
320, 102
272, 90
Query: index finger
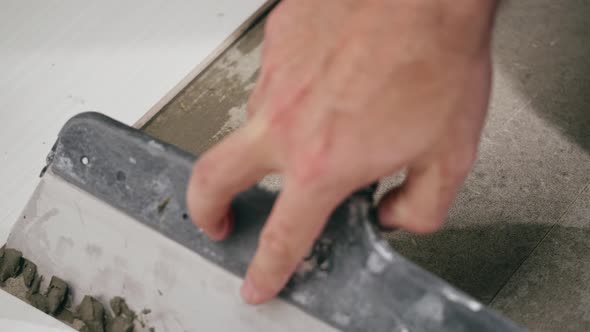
233, 165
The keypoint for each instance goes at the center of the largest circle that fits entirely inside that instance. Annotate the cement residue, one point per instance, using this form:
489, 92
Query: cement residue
29, 272
120, 308
92, 313
10, 264
272, 183
19, 277
56, 295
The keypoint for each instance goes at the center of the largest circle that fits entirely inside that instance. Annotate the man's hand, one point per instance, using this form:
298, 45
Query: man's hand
351, 91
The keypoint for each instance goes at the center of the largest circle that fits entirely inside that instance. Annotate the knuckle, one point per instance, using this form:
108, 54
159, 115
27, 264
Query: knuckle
312, 168
201, 175
459, 165
200, 180
310, 174
465, 162
285, 104
275, 243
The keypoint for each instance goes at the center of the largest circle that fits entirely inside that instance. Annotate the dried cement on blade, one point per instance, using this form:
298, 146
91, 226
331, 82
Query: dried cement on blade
19, 277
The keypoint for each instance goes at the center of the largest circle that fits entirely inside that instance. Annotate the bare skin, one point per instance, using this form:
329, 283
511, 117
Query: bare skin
349, 92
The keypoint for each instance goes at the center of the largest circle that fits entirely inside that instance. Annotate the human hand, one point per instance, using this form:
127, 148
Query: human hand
349, 92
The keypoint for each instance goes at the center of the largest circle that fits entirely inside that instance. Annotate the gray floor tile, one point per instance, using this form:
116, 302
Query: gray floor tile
543, 47
551, 290
525, 178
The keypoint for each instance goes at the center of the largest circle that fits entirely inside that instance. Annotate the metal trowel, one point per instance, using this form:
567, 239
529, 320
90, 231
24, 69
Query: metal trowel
109, 218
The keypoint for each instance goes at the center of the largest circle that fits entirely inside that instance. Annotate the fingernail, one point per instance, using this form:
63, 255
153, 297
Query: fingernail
249, 293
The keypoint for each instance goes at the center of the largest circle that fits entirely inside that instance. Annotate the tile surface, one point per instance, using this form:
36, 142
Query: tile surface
551, 290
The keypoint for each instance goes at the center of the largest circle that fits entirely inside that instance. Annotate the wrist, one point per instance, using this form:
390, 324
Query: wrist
464, 26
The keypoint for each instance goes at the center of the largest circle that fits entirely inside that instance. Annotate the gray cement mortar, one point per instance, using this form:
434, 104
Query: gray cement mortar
19, 277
